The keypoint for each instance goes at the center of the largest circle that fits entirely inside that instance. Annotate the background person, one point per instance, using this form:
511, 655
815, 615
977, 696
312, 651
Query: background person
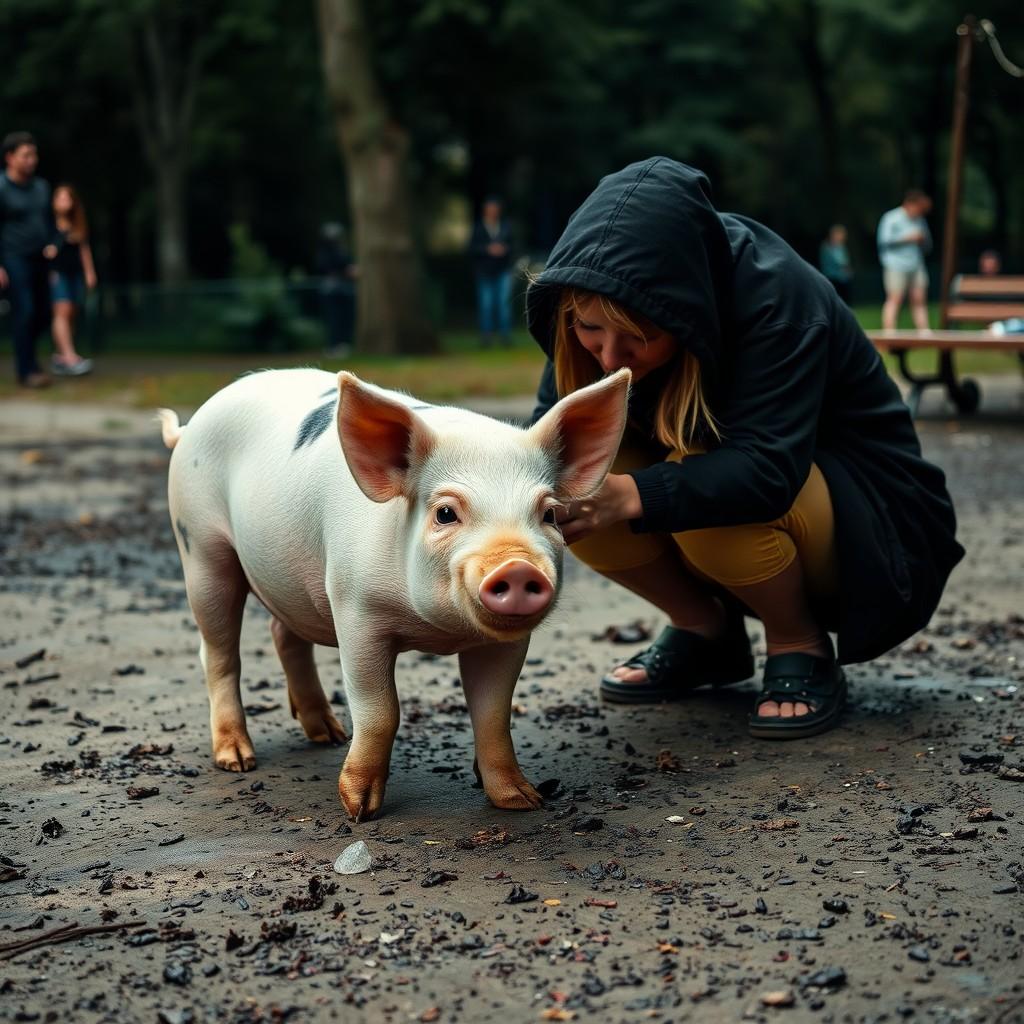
771, 467
990, 263
491, 248
71, 273
834, 261
903, 242
26, 239
337, 288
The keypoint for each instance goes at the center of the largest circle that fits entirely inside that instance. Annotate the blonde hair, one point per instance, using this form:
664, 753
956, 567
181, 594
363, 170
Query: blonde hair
682, 410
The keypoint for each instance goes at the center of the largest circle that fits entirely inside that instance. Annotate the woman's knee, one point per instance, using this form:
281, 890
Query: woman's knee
737, 556
617, 548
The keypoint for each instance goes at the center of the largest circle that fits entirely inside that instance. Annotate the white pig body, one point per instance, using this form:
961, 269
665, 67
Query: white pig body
370, 521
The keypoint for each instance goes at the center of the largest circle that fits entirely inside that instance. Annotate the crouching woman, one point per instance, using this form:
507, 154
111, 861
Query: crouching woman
770, 467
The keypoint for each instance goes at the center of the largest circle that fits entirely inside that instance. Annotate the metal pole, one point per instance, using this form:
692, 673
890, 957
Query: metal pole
954, 185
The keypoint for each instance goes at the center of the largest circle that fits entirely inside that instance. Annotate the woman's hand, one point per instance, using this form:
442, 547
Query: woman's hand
90, 281
617, 499
49, 252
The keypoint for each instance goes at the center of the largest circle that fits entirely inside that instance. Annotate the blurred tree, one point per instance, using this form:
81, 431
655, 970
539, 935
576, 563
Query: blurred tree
801, 111
390, 313
169, 46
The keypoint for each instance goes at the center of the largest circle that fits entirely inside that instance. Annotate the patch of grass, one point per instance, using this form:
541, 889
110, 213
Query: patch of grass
185, 380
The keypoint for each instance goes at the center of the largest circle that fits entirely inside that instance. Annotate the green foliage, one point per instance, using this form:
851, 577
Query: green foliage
262, 317
802, 112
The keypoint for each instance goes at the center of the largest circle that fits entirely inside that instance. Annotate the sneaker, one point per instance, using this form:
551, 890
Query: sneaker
76, 369
35, 380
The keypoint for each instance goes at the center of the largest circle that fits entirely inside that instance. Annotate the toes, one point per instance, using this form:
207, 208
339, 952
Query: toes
630, 675
789, 709
769, 709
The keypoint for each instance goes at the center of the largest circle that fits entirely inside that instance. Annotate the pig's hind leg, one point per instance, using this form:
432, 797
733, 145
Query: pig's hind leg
305, 693
217, 589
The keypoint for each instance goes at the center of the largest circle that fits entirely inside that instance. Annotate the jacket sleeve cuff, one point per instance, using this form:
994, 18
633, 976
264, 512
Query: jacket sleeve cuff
654, 500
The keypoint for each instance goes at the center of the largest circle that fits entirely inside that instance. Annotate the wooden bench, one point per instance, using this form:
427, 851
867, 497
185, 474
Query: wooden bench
978, 300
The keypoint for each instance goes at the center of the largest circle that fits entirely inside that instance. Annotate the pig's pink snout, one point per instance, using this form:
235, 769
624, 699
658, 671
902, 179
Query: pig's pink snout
516, 588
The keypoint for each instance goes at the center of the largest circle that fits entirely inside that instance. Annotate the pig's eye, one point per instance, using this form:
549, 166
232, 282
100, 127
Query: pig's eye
446, 514
549, 517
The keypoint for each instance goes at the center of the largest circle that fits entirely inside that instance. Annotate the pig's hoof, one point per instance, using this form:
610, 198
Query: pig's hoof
322, 727
235, 754
235, 761
361, 795
515, 795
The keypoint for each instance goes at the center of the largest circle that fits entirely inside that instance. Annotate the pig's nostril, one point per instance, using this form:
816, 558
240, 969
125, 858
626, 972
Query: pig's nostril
516, 587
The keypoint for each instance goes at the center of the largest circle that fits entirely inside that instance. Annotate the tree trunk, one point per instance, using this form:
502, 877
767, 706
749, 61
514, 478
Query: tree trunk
808, 46
167, 57
390, 313
171, 246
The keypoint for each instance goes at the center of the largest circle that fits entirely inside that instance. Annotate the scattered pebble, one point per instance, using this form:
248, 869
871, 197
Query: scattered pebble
354, 859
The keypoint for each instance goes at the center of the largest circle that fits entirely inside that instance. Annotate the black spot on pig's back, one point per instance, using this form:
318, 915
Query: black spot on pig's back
316, 423
183, 534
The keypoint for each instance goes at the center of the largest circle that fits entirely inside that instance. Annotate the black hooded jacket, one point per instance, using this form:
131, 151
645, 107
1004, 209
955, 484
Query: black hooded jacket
791, 379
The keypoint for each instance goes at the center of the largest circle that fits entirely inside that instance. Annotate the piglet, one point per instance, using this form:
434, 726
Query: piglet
366, 520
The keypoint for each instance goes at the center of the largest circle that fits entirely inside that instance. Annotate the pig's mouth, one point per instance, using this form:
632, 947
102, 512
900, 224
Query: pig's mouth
510, 623
506, 628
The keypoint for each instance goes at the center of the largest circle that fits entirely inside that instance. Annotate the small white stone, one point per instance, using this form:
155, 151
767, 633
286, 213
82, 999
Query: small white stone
353, 860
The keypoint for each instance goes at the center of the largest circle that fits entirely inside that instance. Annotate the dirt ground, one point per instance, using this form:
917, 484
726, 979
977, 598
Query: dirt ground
680, 871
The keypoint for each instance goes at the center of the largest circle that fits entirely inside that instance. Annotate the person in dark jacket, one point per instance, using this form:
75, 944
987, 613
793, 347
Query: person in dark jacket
770, 466
26, 243
490, 246
337, 288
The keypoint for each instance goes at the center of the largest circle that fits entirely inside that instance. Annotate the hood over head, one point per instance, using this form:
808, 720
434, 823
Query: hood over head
649, 238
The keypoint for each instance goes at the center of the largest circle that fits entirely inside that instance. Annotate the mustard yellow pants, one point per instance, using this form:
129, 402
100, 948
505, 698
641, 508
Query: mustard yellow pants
732, 556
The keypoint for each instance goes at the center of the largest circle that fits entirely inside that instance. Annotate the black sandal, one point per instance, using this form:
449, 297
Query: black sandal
680, 661
819, 683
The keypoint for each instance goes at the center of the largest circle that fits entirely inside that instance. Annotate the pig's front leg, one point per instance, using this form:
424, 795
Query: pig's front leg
489, 675
368, 667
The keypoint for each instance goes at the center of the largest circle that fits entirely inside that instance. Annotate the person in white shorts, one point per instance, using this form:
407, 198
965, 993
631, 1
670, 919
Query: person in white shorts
903, 241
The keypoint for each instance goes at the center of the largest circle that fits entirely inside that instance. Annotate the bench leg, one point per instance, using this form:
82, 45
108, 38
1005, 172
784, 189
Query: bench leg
914, 398
917, 384
964, 394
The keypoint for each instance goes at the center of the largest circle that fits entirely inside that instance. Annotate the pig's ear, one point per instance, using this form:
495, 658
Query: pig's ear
583, 432
380, 437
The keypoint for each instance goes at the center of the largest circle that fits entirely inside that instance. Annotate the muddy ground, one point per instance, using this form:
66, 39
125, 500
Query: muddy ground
872, 874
